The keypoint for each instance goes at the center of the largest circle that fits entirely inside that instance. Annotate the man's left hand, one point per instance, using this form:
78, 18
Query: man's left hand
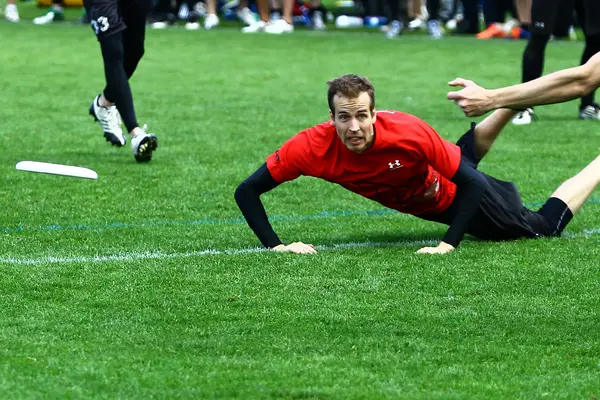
442, 248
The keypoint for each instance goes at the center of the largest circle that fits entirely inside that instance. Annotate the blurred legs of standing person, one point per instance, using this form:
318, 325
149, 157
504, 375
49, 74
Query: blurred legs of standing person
11, 13
55, 14
523, 8
544, 15
470, 23
414, 15
285, 24
317, 15
588, 12
263, 12
211, 20
244, 13
495, 19
398, 15
434, 27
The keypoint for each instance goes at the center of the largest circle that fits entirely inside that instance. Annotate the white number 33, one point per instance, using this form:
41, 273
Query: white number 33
100, 25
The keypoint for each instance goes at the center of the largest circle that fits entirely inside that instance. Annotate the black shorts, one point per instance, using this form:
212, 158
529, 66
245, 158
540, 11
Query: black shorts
556, 16
501, 214
546, 15
108, 17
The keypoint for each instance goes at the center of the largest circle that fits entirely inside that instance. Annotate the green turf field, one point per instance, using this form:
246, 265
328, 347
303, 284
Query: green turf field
147, 283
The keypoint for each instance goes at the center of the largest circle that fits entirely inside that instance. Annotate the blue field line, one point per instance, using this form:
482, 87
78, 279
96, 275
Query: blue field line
214, 221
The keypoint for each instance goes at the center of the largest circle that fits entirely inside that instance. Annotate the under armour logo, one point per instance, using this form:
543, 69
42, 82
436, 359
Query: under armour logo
395, 165
539, 25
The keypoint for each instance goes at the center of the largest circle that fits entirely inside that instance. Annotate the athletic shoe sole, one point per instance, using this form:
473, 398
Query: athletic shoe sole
145, 148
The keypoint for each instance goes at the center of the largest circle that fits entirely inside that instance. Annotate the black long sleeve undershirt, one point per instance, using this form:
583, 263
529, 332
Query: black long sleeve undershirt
247, 197
470, 188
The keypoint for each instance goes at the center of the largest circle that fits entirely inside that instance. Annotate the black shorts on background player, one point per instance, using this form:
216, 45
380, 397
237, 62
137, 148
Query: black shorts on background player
111, 16
501, 214
546, 15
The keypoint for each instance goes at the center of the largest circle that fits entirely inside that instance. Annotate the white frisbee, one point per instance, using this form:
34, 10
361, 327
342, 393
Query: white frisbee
56, 169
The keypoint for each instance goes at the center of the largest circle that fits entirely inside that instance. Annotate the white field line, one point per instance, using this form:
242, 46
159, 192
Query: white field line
157, 255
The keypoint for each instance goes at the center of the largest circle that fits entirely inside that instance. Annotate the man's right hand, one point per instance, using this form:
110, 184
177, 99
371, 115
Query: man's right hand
473, 100
296, 248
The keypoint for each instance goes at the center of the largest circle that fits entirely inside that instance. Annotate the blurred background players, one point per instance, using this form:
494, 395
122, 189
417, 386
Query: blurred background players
546, 15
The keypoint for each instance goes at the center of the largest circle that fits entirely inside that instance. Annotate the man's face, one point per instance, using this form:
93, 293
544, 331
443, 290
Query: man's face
354, 121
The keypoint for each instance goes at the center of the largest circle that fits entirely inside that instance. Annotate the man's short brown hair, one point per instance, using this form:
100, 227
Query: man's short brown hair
351, 86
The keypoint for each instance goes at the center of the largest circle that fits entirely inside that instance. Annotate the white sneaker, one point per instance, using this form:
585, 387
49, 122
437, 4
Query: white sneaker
11, 13
524, 117
49, 17
435, 29
317, 21
143, 144
451, 24
590, 112
110, 120
211, 21
159, 25
258, 26
278, 27
395, 29
416, 23
192, 26
246, 16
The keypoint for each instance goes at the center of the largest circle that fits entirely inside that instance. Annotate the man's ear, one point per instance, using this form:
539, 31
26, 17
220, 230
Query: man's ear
331, 116
374, 117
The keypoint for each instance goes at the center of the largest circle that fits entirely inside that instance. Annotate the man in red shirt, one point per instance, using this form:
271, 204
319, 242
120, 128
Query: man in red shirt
402, 163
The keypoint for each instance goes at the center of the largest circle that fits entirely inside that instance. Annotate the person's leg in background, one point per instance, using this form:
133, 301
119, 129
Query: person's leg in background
121, 34
11, 13
284, 24
263, 12
434, 25
55, 14
588, 12
317, 15
414, 14
523, 8
244, 13
543, 19
211, 20
470, 23
398, 15
495, 19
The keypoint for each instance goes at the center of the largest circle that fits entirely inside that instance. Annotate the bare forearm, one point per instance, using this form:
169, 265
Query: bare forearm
556, 87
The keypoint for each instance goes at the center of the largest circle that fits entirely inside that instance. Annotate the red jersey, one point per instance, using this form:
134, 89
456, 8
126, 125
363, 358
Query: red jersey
408, 168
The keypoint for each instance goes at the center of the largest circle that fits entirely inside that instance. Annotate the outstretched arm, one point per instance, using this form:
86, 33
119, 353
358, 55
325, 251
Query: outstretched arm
556, 87
247, 197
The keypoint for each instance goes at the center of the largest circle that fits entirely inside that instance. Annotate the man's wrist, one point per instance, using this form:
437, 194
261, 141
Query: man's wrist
493, 99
